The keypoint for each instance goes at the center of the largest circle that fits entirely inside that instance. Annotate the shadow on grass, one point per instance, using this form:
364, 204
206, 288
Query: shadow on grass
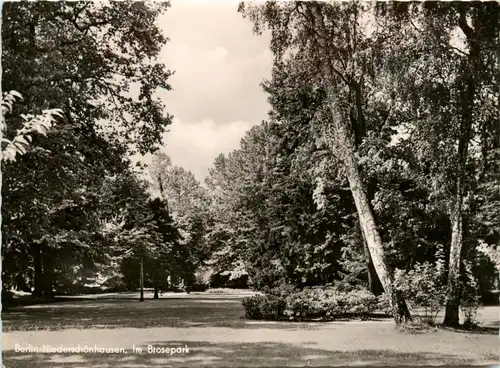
30, 300
114, 313
480, 330
201, 311
268, 354
120, 311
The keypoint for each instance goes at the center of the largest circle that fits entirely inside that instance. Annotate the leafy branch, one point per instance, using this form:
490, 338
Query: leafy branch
33, 124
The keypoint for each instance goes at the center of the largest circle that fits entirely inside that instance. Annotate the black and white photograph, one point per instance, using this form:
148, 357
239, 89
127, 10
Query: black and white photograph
197, 183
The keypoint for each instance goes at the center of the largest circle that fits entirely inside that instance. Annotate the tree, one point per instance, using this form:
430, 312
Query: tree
141, 233
187, 204
451, 104
166, 257
226, 257
481, 39
152, 243
19, 144
86, 59
328, 45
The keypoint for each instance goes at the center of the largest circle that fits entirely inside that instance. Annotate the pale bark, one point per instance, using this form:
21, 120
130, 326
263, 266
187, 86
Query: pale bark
343, 146
366, 218
373, 282
467, 94
452, 307
367, 222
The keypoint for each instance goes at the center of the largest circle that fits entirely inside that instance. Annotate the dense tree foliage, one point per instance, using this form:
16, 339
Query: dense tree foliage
87, 60
385, 118
378, 165
188, 206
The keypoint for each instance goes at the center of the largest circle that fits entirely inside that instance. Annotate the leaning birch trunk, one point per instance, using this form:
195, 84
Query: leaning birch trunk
367, 221
373, 281
343, 145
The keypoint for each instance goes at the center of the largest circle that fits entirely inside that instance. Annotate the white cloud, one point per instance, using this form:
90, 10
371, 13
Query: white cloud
219, 65
218, 62
194, 146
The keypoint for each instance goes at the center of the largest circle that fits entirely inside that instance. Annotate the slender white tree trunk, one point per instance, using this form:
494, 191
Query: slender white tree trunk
453, 304
340, 136
345, 149
467, 92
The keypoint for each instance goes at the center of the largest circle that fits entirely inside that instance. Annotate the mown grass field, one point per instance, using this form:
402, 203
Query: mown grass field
216, 333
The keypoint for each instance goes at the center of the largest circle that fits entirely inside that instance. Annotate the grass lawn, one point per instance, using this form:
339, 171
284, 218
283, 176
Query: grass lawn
213, 329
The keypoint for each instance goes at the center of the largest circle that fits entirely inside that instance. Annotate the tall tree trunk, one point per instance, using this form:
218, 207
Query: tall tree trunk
38, 274
399, 308
343, 145
452, 317
467, 96
358, 121
373, 280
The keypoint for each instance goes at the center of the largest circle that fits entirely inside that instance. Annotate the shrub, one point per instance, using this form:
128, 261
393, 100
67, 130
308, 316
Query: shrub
310, 303
221, 291
304, 304
252, 306
360, 303
330, 303
384, 304
424, 289
470, 301
268, 307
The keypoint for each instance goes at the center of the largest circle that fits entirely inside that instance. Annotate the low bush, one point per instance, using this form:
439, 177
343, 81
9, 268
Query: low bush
470, 301
197, 287
424, 288
384, 304
252, 306
426, 292
308, 303
267, 307
423, 291
221, 291
311, 304
360, 303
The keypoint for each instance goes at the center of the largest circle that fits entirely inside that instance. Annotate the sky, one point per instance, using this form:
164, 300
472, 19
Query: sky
219, 64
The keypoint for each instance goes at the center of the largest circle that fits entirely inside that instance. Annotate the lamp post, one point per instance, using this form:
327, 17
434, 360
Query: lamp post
141, 298
141, 275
